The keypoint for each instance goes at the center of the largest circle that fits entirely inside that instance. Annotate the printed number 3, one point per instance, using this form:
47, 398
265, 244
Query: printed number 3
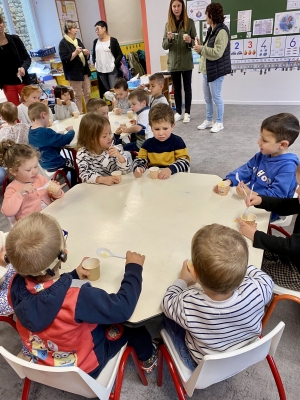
250, 44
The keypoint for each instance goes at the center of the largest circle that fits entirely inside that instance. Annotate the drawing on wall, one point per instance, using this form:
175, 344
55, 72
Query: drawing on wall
263, 26
287, 22
244, 21
227, 21
67, 10
196, 9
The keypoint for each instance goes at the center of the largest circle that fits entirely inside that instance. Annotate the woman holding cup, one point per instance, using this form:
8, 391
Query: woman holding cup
179, 39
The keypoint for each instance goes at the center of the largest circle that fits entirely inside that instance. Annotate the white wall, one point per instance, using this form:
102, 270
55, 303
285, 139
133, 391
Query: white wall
88, 14
276, 87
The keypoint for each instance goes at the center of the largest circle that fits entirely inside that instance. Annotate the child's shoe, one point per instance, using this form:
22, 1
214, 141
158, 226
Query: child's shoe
151, 363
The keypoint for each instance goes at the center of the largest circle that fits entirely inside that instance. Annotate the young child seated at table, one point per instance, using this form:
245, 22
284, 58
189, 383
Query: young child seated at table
18, 132
97, 105
165, 149
231, 297
31, 94
140, 129
97, 158
64, 107
50, 142
281, 254
25, 194
5, 308
156, 85
73, 323
120, 101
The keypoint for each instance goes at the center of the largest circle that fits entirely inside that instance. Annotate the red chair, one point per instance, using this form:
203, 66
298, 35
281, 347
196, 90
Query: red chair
9, 319
70, 153
280, 293
4, 185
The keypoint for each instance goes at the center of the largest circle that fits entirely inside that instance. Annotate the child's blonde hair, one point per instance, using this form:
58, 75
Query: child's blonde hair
35, 110
9, 112
27, 90
13, 154
34, 243
93, 105
90, 129
140, 94
220, 257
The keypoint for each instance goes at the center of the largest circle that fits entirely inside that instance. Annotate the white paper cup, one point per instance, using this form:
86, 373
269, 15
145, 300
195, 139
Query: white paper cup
223, 188
118, 174
75, 114
93, 266
250, 218
130, 114
154, 172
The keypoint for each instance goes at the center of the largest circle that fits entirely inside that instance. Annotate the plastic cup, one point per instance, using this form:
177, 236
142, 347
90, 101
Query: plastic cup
154, 172
93, 266
53, 188
223, 188
250, 218
75, 114
118, 174
130, 114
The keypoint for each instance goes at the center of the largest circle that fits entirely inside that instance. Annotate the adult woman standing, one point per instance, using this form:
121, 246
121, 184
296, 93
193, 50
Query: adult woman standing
214, 65
14, 63
74, 58
107, 56
179, 36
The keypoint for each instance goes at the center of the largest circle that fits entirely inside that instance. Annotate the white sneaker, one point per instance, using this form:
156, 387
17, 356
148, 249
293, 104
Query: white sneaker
206, 124
186, 118
218, 126
178, 117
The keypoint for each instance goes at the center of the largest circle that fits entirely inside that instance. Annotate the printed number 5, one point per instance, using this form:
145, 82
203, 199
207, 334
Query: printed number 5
278, 43
236, 46
250, 44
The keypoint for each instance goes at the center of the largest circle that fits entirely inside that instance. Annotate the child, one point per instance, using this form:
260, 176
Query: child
96, 157
225, 312
281, 257
25, 194
49, 142
165, 149
31, 94
18, 132
156, 85
68, 319
141, 129
97, 105
5, 308
271, 172
121, 102
64, 107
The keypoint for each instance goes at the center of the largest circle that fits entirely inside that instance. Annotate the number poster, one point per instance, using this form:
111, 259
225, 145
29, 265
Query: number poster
263, 47
278, 46
249, 48
236, 49
292, 46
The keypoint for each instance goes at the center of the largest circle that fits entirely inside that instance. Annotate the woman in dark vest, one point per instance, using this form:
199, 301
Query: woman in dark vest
214, 65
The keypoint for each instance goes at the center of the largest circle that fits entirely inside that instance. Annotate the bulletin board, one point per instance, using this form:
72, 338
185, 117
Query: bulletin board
66, 9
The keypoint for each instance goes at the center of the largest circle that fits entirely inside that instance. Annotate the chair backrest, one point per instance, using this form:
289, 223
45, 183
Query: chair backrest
217, 367
70, 379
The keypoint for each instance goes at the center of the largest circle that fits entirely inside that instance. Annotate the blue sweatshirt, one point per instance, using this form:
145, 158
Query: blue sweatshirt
50, 143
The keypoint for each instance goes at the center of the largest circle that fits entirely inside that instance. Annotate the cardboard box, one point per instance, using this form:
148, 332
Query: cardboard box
164, 63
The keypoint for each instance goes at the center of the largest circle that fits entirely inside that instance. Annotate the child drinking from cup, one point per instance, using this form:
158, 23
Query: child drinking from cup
14, 130
25, 194
64, 107
165, 149
97, 158
156, 85
97, 105
31, 94
121, 102
36, 247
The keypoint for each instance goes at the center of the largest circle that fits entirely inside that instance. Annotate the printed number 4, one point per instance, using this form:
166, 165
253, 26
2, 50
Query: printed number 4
236, 46
263, 44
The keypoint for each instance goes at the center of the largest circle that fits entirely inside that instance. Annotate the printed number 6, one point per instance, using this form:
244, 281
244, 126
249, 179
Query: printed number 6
250, 44
236, 46
293, 43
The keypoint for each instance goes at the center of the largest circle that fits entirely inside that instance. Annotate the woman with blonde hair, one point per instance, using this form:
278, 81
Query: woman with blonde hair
179, 39
74, 58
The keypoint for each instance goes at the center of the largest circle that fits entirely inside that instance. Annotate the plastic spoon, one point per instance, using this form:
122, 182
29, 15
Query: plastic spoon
105, 253
238, 179
44, 187
247, 209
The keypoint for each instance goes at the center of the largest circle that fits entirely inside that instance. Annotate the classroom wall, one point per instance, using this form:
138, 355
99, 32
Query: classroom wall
276, 87
88, 14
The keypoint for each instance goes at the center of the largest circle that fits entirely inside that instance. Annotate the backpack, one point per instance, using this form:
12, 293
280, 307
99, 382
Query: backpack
124, 69
134, 63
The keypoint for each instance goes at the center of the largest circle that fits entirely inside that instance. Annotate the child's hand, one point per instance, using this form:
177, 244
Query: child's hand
132, 121
114, 152
118, 111
119, 131
241, 189
58, 102
246, 229
215, 189
107, 180
185, 274
56, 194
68, 103
2, 254
134, 258
255, 200
138, 172
164, 173
45, 101
26, 189
69, 128
81, 272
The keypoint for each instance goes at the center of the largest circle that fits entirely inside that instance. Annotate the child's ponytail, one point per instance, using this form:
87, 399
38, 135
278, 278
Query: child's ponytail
13, 154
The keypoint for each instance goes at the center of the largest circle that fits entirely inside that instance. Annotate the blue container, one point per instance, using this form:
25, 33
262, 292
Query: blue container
47, 51
134, 84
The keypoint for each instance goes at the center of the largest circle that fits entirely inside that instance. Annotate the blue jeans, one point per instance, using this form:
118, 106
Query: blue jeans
177, 335
212, 95
2, 175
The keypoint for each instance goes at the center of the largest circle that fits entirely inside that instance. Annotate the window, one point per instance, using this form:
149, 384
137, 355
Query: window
19, 19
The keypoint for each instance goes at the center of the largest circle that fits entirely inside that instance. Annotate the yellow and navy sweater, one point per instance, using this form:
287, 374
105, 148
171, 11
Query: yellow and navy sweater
170, 153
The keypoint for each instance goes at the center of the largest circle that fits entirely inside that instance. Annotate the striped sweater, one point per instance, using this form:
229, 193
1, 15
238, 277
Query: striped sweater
218, 326
171, 153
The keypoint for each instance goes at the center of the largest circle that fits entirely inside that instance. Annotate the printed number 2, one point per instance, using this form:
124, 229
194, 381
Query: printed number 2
236, 46
250, 45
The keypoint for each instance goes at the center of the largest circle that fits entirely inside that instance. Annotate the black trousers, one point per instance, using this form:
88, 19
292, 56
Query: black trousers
187, 84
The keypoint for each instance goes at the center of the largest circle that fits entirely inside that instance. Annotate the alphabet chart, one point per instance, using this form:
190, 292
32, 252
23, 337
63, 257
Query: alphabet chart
292, 46
236, 49
250, 48
263, 47
278, 46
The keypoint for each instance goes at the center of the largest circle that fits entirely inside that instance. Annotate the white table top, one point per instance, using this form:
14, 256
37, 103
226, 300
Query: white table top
153, 217
60, 125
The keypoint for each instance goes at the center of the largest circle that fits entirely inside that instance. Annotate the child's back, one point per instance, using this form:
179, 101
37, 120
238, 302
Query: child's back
18, 133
